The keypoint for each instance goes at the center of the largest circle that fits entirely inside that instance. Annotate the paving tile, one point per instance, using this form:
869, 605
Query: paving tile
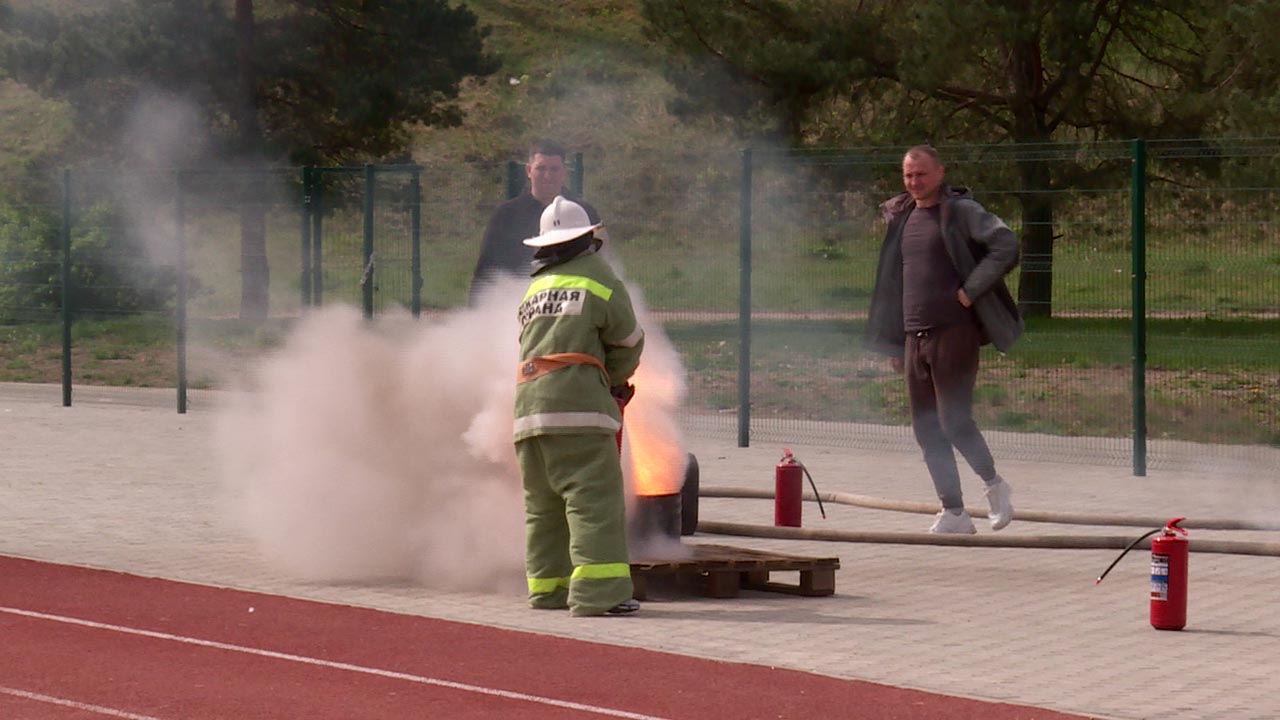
122, 481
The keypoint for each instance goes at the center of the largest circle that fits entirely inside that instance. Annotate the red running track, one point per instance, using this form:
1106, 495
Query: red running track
90, 644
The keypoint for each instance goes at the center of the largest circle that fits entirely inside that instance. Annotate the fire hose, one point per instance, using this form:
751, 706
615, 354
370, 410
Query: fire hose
1065, 542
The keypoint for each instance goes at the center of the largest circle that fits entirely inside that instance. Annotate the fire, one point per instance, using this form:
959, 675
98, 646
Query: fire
658, 463
651, 435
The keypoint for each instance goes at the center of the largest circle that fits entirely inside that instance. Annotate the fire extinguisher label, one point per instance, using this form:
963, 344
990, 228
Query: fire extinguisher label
1159, 577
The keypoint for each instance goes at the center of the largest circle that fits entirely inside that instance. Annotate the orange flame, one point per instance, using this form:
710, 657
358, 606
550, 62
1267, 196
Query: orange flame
658, 458
658, 466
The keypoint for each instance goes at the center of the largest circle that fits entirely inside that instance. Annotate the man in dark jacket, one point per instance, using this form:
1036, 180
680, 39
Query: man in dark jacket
939, 296
503, 250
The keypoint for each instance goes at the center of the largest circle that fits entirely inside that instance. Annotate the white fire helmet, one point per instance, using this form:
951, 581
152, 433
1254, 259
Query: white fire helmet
562, 221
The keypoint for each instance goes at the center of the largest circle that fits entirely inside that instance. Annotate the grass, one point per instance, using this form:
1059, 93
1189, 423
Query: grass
694, 266
137, 351
1208, 378
1066, 377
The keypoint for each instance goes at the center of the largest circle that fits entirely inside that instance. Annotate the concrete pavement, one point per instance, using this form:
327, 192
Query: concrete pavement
122, 481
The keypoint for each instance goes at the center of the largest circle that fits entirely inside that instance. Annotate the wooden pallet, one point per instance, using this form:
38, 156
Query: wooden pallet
720, 571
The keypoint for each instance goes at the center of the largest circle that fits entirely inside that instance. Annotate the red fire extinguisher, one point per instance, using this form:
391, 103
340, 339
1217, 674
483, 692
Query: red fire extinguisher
622, 394
788, 489
788, 485
1169, 563
622, 411
1169, 560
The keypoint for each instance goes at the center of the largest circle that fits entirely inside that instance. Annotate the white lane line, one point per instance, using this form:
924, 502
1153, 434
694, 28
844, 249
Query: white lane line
73, 704
464, 687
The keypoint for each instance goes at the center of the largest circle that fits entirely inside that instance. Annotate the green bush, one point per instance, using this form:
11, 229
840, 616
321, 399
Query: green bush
110, 271
29, 284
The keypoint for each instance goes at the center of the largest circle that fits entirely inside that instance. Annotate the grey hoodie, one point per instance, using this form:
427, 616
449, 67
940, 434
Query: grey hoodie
981, 247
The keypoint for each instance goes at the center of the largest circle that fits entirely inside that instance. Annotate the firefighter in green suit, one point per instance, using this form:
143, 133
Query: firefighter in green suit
579, 345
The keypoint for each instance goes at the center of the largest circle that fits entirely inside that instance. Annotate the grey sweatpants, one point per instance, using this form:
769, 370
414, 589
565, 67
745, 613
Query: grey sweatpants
941, 367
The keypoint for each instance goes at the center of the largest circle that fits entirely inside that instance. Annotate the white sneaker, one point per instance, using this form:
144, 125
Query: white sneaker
1000, 495
953, 522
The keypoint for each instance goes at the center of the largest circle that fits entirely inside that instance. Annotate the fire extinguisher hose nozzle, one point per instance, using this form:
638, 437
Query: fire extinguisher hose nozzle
816, 494
1131, 546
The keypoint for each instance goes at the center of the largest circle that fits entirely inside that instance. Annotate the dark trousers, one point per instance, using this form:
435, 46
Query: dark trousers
941, 367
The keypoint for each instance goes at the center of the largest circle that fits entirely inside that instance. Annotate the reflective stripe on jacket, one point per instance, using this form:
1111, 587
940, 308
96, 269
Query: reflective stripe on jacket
579, 306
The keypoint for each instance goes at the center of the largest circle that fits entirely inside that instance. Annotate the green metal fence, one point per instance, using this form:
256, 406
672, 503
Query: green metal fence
361, 237
815, 238
762, 266
1154, 337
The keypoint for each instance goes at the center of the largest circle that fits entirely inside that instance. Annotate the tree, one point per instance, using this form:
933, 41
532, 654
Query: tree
307, 81
1030, 71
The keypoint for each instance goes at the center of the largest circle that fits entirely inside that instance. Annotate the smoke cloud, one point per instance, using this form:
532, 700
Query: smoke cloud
374, 451
161, 133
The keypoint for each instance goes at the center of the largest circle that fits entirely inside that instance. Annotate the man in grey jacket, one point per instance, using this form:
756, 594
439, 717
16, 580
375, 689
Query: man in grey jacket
939, 296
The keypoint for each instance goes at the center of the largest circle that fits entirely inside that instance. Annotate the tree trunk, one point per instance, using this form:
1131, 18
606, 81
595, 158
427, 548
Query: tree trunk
1035, 287
1027, 103
255, 275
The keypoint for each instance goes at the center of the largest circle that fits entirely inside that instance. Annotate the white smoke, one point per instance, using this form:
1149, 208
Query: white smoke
383, 450
162, 133
375, 451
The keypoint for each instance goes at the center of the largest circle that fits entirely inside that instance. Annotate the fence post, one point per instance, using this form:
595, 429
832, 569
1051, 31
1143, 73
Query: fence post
305, 282
180, 302
515, 181
577, 175
415, 218
1139, 283
66, 287
317, 237
366, 279
744, 303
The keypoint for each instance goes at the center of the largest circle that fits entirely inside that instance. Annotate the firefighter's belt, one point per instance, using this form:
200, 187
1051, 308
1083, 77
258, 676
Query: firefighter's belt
534, 368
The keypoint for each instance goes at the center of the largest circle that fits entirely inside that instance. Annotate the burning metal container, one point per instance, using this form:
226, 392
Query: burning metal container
667, 515
661, 473
656, 517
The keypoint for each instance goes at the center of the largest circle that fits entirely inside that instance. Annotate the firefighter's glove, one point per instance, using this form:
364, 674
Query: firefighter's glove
623, 393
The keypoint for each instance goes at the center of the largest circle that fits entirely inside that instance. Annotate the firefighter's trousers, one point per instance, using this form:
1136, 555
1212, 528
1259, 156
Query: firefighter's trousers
575, 522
